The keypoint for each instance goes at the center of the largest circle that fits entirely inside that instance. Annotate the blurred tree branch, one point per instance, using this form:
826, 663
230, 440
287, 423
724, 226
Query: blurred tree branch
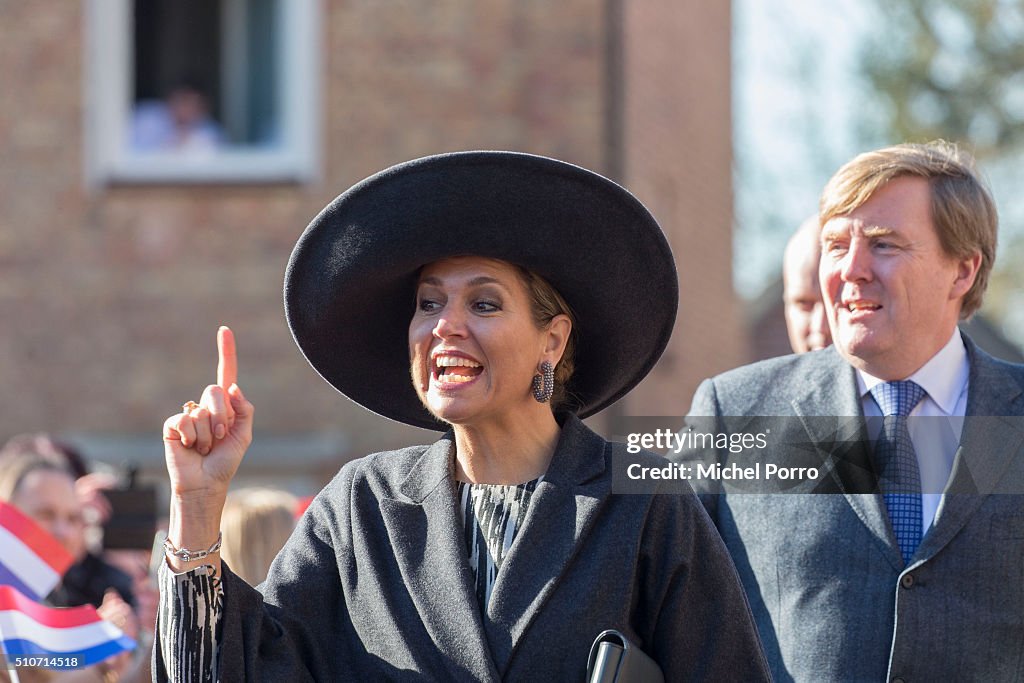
950, 69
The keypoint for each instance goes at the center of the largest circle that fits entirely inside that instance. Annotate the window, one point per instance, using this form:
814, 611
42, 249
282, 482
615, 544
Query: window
202, 90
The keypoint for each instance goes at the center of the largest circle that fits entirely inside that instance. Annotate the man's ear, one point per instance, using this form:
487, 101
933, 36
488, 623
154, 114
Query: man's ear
966, 272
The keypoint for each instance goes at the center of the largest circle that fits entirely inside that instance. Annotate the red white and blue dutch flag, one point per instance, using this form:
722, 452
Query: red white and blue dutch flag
31, 560
31, 564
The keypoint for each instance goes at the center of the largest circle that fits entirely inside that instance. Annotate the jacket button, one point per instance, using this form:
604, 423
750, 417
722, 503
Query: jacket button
907, 581
898, 680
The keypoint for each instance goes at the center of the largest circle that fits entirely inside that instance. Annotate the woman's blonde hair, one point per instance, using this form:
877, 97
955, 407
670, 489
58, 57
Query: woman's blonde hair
545, 304
255, 525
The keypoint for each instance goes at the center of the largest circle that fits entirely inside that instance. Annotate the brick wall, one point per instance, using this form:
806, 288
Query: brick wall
110, 297
678, 156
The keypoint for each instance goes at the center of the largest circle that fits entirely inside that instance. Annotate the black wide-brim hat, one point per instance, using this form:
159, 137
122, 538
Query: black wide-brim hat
349, 290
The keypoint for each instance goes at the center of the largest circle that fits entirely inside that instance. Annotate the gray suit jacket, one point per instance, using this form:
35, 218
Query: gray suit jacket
375, 583
831, 596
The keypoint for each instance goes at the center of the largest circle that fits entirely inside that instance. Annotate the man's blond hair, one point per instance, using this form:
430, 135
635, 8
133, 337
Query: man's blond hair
962, 208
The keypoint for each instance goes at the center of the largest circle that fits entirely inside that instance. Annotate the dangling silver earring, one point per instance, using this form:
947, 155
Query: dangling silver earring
544, 383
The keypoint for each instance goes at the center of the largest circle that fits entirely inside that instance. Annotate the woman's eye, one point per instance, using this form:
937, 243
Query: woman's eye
486, 306
428, 305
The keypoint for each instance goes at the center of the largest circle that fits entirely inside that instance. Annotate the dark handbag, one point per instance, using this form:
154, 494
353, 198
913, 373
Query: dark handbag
614, 659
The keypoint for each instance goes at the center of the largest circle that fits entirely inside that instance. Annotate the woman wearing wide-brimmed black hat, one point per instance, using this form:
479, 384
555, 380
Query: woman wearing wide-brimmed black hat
522, 293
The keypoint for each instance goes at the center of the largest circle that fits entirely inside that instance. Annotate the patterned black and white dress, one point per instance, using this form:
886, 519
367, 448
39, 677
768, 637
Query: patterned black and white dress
491, 515
191, 603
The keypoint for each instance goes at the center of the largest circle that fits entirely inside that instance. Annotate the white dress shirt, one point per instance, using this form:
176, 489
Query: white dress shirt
937, 422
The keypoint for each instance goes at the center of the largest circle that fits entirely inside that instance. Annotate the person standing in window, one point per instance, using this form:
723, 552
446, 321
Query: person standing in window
181, 122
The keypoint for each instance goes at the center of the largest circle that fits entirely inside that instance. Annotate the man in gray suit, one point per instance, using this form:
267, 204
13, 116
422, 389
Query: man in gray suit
912, 567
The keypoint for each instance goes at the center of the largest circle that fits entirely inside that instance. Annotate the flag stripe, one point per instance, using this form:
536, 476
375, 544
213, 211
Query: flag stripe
88, 656
47, 616
55, 638
12, 580
20, 566
38, 541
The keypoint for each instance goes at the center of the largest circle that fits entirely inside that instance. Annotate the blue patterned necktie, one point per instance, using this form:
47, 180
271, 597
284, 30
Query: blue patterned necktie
900, 477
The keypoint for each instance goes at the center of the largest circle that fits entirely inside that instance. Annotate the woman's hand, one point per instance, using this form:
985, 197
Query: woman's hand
203, 449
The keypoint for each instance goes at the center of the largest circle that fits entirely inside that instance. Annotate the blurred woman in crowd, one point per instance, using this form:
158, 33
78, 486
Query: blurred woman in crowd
255, 526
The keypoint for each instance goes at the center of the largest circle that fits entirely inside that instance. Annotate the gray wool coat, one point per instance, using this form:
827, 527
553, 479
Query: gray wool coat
375, 584
831, 595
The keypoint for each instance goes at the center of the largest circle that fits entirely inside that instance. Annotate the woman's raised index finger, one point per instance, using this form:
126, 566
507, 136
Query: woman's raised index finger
227, 361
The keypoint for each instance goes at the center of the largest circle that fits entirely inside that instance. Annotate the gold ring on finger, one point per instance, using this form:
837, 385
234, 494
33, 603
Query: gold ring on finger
188, 407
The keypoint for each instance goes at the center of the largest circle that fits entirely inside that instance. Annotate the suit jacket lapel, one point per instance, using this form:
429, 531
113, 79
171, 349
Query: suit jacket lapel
843, 428
562, 511
426, 536
987, 445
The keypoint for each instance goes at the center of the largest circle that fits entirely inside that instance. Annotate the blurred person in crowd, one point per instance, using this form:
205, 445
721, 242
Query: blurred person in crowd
804, 309
138, 565
98, 574
256, 524
44, 490
911, 570
181, 122
88, 580
499, 298
89, 486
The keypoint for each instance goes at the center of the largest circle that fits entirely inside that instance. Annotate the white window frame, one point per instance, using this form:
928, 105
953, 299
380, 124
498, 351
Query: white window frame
109, 74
